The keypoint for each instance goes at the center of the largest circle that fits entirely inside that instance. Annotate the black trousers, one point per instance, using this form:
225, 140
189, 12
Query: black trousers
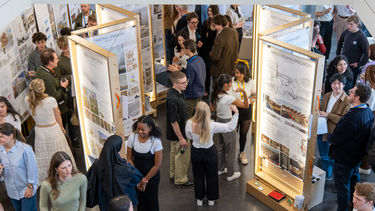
326, 28
205, 167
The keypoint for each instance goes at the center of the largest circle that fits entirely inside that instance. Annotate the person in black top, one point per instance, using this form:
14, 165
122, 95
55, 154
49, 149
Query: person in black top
354, 45
349, 143
176, 119
339, 65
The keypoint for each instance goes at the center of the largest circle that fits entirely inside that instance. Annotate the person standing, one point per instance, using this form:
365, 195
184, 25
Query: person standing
349, 143
334, 105
19, 168
177, 116
144, 152
196, 75
9, 114
238, 22
83, 17
55, 86
225, 49
204, 158
242, 79
64, 187
49, 130
354, 45
341, 14
339, 65
324, 14
34, 61
192, 30
221, 103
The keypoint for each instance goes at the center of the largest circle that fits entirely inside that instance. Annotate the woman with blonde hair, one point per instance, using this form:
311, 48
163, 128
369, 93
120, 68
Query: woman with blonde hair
204, 157
49, 130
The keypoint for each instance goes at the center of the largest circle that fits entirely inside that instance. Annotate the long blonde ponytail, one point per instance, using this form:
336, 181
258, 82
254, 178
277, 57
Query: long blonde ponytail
202, 120
36, 94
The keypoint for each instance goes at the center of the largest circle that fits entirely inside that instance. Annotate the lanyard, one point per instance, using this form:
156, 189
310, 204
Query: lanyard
363, 104
84, 19
192, 58
243, 87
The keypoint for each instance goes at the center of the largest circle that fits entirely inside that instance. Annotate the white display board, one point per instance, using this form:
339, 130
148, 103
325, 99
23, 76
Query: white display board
269, 18
61, 17
15, 48
285, 107
45, 25
96, 98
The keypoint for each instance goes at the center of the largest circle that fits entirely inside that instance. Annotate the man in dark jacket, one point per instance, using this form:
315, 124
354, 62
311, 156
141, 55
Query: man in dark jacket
225, 50
349, 143
54, 87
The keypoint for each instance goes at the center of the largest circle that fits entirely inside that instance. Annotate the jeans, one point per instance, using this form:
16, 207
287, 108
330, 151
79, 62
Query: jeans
325, 159
25, 204
345, 180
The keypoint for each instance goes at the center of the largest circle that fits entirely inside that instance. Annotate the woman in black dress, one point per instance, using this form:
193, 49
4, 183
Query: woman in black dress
144, 151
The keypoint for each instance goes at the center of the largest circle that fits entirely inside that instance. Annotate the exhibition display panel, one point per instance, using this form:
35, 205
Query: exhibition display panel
289, 80
97, 88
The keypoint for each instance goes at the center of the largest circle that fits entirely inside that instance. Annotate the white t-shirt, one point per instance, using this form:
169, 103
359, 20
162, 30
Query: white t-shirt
342, 10
322, 8
331, 102
249, 88
223, 104
152, 144
233, 15
215, 127
354, 209
44, 112
10, 119
371, 100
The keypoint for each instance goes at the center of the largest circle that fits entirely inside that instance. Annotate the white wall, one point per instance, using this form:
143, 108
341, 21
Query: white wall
10, 9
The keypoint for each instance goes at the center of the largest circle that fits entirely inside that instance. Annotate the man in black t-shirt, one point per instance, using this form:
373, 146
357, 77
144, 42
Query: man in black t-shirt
176, 119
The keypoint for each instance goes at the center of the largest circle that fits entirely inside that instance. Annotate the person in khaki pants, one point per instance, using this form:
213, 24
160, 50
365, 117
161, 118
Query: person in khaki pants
176, 119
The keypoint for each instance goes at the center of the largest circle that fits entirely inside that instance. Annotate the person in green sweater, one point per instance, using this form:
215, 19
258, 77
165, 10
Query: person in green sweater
65, 187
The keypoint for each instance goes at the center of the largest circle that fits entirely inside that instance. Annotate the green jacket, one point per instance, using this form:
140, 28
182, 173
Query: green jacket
78, 20
53, 88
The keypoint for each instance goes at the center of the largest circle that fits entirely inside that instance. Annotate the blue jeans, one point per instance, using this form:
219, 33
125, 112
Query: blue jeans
25, 204
325, 159
345, 180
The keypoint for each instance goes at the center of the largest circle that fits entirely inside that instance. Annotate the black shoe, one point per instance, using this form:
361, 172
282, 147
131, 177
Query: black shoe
186, 184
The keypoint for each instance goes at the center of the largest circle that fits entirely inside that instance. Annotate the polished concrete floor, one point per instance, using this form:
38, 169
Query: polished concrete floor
233, 194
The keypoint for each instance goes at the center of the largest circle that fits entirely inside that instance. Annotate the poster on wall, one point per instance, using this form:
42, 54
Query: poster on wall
15, 47
96, 98
157, 31
44, 18
247, 15
74, 10
286, 102
61, 17
269, 18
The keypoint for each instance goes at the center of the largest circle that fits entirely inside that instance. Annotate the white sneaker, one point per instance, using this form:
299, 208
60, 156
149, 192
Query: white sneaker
242, 157
199, 202
222, 172
235, 175
364, 171
211, 202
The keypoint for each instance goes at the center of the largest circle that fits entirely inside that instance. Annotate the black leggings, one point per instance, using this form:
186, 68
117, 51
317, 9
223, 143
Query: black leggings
243, 127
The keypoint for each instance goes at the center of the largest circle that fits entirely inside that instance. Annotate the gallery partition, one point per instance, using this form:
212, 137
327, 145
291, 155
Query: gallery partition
289, 80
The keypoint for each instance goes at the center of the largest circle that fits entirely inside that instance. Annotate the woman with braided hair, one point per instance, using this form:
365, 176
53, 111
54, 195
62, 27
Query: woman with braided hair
49, 130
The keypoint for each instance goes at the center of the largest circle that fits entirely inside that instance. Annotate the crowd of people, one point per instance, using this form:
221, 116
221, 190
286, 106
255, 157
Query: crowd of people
208, 103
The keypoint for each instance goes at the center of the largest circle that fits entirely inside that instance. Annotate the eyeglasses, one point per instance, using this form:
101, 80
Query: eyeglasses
185, 82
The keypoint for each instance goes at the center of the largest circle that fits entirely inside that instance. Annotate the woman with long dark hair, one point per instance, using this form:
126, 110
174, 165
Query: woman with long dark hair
9, 114
111, 176
237, 20
242, 79
339, 65
208, 38
144, 151
221, 102
64, 187
19, 166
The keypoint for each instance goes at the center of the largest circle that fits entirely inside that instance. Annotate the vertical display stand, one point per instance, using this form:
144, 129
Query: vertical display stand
146, 47
289, 80
96, 79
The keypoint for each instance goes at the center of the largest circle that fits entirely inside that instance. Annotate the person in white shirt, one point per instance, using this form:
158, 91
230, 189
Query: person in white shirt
242, 79
221, 102
200, 129
364, 197
324, 14
238, 22
9, 114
